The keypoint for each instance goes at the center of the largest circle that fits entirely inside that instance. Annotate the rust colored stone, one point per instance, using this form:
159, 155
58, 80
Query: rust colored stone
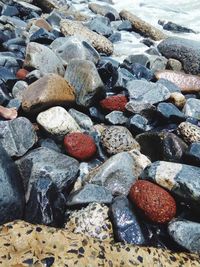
21, 74
116, 102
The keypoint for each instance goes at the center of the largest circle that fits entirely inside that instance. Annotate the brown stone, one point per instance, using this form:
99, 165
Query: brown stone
177, 99
48, 91
186, 82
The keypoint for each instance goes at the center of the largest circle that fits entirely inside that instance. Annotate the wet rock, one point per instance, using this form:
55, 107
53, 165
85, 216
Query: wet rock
116, 102
170, 113
189, 132
18, 89
100, 43
172, 87
115, 37
125, 223
33, 76
96, 114
42, 36
192, 108
82, 119
116, 139
174, 64
181, 179
122, 78
186, 82
125, 26
42, 58
100, 25
142, 26
186, 234
11, 190
92, 221
42, 23
57, 121
173, 27
139, 124
50, 90
17, 136
88, 194
192, 154
116, 117
186, 51
83, 76
141, 72
142, 59
104, 10
177, 99
156, 203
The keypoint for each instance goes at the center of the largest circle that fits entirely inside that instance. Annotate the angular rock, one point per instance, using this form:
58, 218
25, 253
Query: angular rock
100, 25
82, 119
170, 113
17, 136
57, 121
192, 108
138, 124
48, 91
189, 132
116, 117
47, 5
172, 87
192, 154
116, 102
42, 36
104, 10
173, 27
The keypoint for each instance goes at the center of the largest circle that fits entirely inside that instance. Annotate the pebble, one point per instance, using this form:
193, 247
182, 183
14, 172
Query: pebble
138, 124
100, 25
192, 154
192, 108
189, 132
18, 89
21, 74
116, 117
177, 99
82, 119
170, 113
156, 203
104, 10
172, 87
115, 102
174, 64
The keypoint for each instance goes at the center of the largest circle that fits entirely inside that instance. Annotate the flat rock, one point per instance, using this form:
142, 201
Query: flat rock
57, 121
50, 90
192, 108
17, 136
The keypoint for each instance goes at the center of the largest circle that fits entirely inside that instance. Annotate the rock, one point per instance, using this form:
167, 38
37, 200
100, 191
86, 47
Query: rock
57, 121
186, 234
88, 194
192, 108
100, 25
138, 108
47, 5
170, 113
104, 10
180, 179
189, 132
173, 88
177, 99
21, 74
143, 27
115, 102
49, 143
116, 117
174, 64
125, 223
115, 37
48, 91
100, 43
173, 27
192, 154
42, 23
116, 139
186, 51
17, 136
18, 89
125, 26
7, 77
80, 146
42, 58
82, 119
186, 82
11, 190
26, 9
156, 203
42, 36
92, 221
138, 124
141, 72
83, 76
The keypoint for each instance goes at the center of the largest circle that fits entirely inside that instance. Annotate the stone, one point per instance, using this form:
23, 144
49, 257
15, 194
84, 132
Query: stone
115, 102
57, 121
42, 36
141, 72
82, 119
92, 221
100, 25
83, 76
116, 139
116, 117
42, 58
137, 108
185, 233
50, 90
180, 179
192, 108
115, 37
155, 202
185, 50
42, 23
173, 27
174, 64
104, 10
125, 223
170, 113
26, 9
172, 87
11, 190
186, 82
18, 89
138, 124
189, 132
49, 143
17, 136
80, 146
125, 26
143, 27
100, 43
47, 5
21, 74
192, 154
177, 99
88, 194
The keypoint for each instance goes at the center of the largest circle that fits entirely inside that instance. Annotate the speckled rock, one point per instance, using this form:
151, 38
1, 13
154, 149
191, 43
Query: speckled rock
104, 10
116, 102
192, 108
116, 139
177, 99
189, 132
182, 180
185, 50
17, 136
143, 27
50, 90
42, 58
174, 64
57, 121
61, 247
187, 82
100, 43
116, 118
83, 76
92, 221
82, 119
186, 233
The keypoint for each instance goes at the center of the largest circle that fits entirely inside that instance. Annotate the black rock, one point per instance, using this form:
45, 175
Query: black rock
107, 72
125, 26
3, 37
173, 27
170, 85
123, 77
27, 10
115, 37
148, 42
125, 223
192, 154
141, 72
7, 77
11, 190
96, 114
4, 94
42, 36
170, 113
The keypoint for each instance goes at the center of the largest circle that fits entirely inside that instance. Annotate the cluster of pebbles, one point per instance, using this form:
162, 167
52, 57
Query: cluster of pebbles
108, 151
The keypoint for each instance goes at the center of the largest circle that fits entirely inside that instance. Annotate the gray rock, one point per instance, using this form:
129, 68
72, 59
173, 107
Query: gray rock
18, 89
192, 108
186, 51
82, 119
17, 136
116, 117
84, 77
88, 194
186, 234
104, 10
169, 85
100, 25
183, 180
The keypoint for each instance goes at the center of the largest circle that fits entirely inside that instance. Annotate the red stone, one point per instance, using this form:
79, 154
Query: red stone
21, 74
80, 146
155, 202
116, 102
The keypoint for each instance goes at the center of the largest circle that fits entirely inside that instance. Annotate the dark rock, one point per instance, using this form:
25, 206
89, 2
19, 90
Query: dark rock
14, 41
96, 114
142, 59
148, 42
27, 10
42, 36
192, 154
170, 85
4, 94
82, 119
49, 143
123, 77
7, 76
141, 72
192, 108
173, 27
139, 124
115, 37
125, 26
100, 25
126, 225
170, 113
11, 190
